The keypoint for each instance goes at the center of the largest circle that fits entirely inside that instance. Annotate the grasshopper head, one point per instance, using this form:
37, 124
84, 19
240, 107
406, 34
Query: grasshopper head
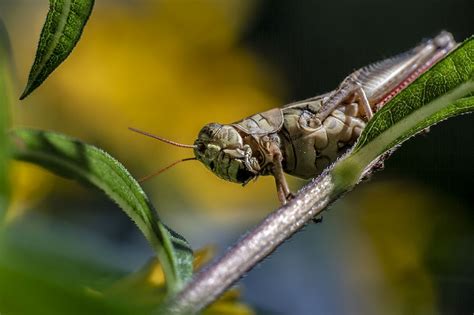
221, 149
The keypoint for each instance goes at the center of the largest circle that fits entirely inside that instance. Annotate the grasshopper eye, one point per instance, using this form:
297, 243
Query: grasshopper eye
201, 148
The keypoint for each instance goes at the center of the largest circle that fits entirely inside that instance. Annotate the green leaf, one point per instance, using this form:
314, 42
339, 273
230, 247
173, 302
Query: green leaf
444, 91
73, 159
61, 32
4, 117
45, 268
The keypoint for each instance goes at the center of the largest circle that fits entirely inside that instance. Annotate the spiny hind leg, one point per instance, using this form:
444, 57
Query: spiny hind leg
349, 88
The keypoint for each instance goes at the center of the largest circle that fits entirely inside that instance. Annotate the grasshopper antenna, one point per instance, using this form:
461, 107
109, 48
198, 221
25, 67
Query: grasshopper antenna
141, 180
190, 146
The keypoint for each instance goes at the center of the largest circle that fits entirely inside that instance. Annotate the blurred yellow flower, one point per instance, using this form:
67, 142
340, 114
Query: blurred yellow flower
397, 218
30, 184
168, 67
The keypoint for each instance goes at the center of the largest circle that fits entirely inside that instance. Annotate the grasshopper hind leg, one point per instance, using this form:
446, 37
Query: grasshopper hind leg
349, 87
372, 83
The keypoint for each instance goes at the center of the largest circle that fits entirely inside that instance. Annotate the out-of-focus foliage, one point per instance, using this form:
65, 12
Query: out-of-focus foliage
92, 166
418, 245
163, 68
401, 247
42, 273
29, 185
4, 118
147, 283
61, 32
53, 278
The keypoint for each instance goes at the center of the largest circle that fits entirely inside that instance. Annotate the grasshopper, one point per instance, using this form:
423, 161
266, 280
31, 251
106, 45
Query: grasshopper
303, 138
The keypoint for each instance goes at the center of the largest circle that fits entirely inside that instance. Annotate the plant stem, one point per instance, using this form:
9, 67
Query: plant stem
208, 284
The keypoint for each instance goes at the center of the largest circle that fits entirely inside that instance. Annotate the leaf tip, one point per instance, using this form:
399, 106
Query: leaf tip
25, 93
29, 88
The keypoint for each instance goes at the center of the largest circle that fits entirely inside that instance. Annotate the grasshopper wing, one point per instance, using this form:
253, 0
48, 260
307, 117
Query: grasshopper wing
260, 124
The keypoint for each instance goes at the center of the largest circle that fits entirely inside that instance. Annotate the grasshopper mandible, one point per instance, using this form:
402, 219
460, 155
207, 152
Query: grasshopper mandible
303, 138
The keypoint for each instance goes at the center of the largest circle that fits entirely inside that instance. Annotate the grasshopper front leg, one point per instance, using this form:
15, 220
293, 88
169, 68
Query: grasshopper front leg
283, 190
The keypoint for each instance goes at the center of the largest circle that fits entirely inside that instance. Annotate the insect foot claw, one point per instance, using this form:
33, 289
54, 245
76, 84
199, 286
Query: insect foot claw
290, 196
317, 220
379, 165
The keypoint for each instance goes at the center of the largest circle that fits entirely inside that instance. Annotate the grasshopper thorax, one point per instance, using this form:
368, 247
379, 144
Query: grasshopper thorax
222, 150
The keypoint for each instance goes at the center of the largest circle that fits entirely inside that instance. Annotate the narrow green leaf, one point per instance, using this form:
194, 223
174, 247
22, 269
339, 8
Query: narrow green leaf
444, 91
88, 164
61, 32
4, 117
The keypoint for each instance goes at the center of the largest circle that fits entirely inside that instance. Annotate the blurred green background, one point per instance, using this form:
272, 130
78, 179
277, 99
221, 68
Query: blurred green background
402, 243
